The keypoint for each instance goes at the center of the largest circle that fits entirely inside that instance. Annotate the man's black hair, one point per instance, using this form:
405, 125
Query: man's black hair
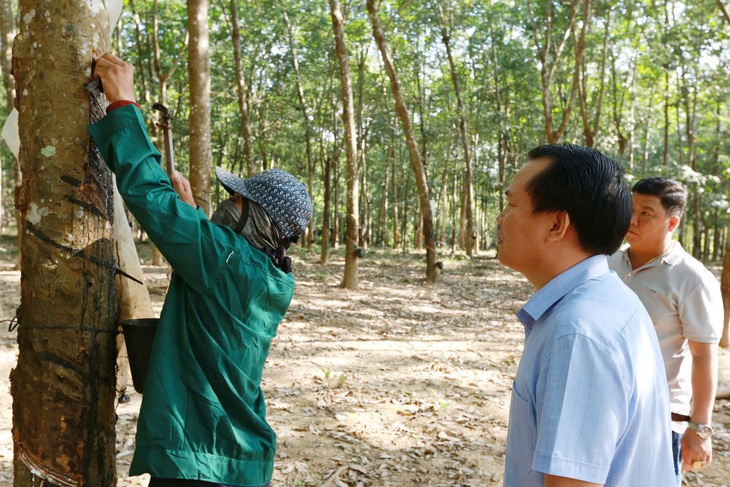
590, 187
671, 193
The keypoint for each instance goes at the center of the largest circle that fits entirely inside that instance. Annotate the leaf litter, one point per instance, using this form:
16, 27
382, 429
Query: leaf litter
400, 383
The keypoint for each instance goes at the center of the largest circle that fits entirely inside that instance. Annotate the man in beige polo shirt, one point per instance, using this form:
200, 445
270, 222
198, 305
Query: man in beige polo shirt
684, 302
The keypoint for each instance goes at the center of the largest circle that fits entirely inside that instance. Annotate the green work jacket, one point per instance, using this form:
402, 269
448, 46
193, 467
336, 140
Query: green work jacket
203, 412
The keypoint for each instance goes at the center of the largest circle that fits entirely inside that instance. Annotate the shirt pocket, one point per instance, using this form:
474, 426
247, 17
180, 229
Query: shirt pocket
522, 433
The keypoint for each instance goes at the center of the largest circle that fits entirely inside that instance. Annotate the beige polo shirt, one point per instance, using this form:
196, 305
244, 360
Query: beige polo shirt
684, 301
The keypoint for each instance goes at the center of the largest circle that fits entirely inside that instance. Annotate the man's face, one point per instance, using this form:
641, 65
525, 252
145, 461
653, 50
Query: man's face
650, 223
521, 234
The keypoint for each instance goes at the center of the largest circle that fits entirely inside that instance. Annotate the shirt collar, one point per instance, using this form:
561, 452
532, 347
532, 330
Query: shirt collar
673, 257
559, 286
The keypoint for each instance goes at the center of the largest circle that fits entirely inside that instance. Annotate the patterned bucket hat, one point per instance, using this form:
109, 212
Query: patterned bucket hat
282, 196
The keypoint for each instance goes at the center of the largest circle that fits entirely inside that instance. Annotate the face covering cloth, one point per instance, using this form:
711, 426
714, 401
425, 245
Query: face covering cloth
260, 231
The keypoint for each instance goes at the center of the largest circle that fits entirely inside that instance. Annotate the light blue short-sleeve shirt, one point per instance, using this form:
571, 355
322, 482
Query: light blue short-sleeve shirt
590, 398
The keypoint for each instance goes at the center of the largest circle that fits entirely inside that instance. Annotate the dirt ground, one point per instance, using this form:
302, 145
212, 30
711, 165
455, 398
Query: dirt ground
397, 384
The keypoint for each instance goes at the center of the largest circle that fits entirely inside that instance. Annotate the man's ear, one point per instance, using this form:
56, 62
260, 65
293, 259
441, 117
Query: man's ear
560, 226
674, 221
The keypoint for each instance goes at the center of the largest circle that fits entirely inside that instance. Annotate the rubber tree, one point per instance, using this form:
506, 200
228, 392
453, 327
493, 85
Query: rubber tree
303, 106
242, 92
468, 228
350, 279
199, 121
549, 54
163, 78
432, 272
725, 287
63, 384
725, 280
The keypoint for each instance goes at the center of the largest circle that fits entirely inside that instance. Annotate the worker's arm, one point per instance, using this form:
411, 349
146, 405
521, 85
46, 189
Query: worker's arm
194, 247
182, 188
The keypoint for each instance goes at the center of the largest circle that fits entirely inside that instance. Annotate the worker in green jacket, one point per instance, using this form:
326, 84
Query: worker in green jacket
202, 420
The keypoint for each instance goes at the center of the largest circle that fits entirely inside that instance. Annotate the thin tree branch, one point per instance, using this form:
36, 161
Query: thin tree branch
723, 10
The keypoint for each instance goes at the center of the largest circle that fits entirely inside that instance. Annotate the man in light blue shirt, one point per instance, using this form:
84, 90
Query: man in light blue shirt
590, 403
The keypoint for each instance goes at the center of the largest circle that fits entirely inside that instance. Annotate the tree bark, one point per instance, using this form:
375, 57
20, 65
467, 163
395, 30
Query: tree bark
163, 78
725, 287
724, 11
350, 279
365, 230
454, 185
441, 238
549, 57
617, 107
468, 188
263, 138
63, 384
591, 132
502, 147
383, 233
307, 126
327, 211
241, 91
689, 95
665, 157
336, 203
432, 272
141, 74
199, 121
420, 79
324, 250
394, 190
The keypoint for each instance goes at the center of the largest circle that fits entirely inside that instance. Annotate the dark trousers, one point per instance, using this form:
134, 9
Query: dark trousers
677, 454
155, 482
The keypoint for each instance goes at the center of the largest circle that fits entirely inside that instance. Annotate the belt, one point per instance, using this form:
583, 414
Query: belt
680, 417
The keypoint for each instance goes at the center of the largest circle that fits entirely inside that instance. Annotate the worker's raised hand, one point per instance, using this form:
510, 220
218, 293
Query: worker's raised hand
182, 186
117, 78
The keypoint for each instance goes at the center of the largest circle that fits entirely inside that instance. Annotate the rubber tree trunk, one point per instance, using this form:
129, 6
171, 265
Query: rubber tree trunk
365, 230
241, 92
725, 286
325, 247
199, 121
63, 385
308, 132
468, 228
549, 56
394, 190
383, 232
163, 78
724, 10
336, 203
350, 279
327, 211
432, 272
